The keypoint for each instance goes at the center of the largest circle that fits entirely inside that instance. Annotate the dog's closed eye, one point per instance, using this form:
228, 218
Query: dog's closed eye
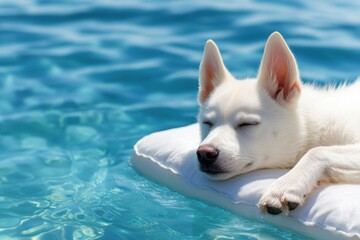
208, 123
247, 124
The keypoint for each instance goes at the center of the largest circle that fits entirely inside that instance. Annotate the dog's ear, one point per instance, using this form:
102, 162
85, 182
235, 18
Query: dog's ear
278, 73
212, 71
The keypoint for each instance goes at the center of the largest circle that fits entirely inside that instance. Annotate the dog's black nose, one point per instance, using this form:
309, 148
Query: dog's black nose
207, 154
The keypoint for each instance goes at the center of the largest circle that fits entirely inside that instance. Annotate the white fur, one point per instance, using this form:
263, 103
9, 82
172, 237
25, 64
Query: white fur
316, 132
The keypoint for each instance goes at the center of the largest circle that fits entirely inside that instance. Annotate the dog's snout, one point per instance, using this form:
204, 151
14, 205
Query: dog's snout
207, 154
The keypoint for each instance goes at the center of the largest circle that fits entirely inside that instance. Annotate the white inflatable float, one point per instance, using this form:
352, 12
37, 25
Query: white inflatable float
168, 157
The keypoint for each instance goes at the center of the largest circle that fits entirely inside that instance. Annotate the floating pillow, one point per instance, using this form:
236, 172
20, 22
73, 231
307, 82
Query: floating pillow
168, 157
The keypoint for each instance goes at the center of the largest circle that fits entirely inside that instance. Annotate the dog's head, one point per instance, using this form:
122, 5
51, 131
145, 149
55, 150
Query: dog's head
252, 123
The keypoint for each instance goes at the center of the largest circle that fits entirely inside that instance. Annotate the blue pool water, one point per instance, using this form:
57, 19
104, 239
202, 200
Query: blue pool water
82, 81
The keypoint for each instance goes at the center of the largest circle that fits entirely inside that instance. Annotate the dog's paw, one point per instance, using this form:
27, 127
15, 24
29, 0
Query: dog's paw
281, 198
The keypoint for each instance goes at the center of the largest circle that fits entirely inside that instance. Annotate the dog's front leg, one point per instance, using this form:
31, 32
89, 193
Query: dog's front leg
330, 163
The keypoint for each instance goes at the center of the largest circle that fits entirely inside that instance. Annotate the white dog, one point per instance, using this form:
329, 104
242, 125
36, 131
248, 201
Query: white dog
274, 121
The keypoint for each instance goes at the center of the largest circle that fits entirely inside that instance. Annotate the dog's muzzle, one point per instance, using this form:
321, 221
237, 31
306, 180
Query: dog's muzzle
207, 155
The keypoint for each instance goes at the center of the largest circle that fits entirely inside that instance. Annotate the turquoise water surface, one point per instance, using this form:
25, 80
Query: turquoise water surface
82, 81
